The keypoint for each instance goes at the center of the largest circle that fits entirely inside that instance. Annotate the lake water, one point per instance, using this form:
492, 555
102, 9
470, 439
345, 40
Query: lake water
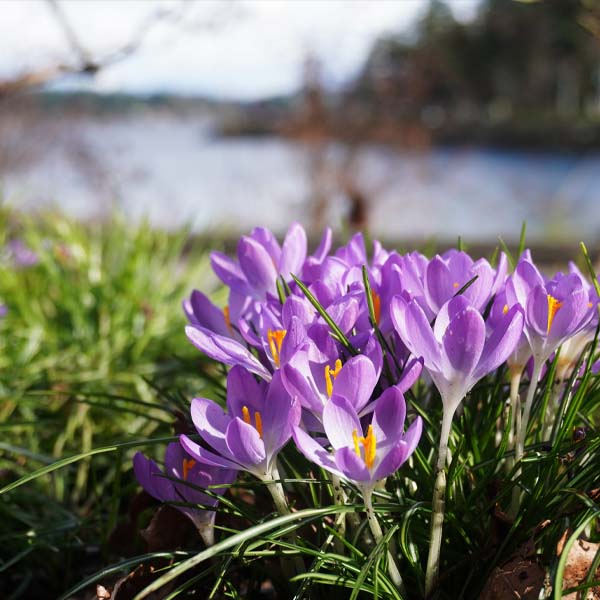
174, 170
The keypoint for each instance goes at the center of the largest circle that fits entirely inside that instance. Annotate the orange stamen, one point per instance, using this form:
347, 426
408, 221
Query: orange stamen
227, 318
330, 376
275, 339
369, 444
553, 306
505, 309
455, 284
376, 305
188, 464
257, 420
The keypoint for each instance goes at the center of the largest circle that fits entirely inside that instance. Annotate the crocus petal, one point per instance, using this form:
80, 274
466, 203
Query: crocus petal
268, 241
463, 342
340, 421
299, 383
356, 381
225, 350
206, 314
314, 451
152, 480
391, 461
351, 465
537, 311
414, 330
502, 342
438, 283
257, 266
447, 313
206, 456
211, 423
280, 414
412, 371
413, 435
293, 252
243, 390
244, 443
388, 417
229, 272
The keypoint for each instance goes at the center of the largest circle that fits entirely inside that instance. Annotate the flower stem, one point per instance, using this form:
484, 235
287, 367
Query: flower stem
438, 505
378, 535
278, 495
522, 430
515, 406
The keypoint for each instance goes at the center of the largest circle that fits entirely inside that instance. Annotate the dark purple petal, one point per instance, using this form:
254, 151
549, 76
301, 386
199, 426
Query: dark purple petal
393, 459
151, 478
244, 443
206, 314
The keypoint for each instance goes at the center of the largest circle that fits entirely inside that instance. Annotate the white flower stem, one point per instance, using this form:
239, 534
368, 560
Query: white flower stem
283, 508
522, 430
207, 533
438, 505
515, 406
378, 536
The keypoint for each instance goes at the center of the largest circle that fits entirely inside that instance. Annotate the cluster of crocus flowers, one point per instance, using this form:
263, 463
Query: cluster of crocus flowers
322, 349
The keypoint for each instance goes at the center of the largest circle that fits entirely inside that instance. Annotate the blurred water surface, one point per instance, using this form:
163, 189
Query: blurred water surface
175, 170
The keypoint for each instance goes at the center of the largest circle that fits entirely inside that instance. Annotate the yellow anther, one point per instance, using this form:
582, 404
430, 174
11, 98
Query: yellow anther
257, 420
455, 284
369, 444
355, 439
330, 376
505, 309
227, 318
275, 339
590, 305
376, 305
553, 306
188, 464
258, 423
246, 415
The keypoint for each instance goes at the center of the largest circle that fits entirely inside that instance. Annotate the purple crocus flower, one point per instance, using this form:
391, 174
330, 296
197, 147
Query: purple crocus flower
554, 310
458, 351
179, 465
363, 458
257, 424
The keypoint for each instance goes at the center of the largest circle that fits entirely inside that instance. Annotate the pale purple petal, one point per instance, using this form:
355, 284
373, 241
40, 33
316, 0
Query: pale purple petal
438, 283
211, 423
205, 456
414, 330
280, 414
340, 421
351, 465
501, 343
356, 381
243, 390
244, 443
225, 350
293, 253
257, 266
388, 417
463, 342
314, 451
229, 272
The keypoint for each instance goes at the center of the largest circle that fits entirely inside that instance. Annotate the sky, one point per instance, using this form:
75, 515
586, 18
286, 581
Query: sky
229, 49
